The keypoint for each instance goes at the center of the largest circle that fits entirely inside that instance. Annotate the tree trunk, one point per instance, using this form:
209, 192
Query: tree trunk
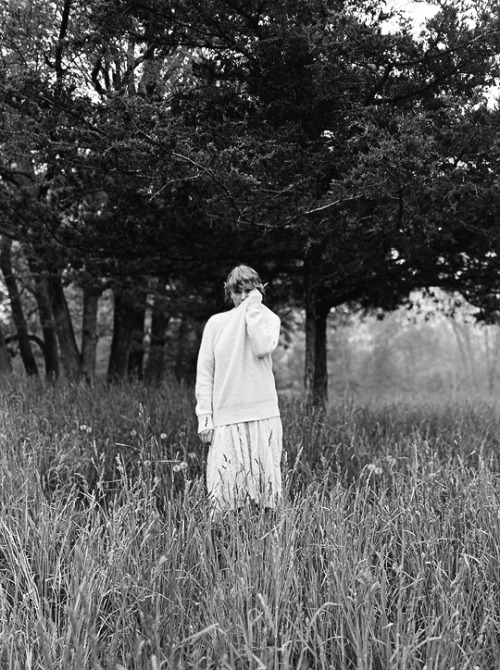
316, 374
128, 322
16, 306
5, 362
136, 349
51, 351
316, 367
180, 358
118, 358
89, 332
70, 356
155, 366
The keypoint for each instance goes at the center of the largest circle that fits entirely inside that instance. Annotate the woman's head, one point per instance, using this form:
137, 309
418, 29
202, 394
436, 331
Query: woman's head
240, 281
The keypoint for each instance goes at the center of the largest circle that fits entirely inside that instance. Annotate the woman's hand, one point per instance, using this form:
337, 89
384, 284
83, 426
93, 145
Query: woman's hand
255, 296
206, 436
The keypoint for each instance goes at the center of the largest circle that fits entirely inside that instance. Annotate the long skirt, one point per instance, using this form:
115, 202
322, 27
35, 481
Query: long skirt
244, 464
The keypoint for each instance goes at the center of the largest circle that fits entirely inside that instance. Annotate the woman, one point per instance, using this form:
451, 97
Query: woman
237, 403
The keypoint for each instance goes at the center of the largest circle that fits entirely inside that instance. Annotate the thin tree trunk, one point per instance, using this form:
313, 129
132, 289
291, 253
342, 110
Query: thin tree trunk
316, 367
16, 306
180, 358
155, 366
70, 356
136, 350
5, 362
118, 358
128, 322
316, 373
51, 351
89, 332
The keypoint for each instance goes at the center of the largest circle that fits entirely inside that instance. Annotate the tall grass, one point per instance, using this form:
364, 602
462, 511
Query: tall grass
385, 554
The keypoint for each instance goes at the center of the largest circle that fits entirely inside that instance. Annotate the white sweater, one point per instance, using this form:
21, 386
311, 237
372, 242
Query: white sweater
234, 379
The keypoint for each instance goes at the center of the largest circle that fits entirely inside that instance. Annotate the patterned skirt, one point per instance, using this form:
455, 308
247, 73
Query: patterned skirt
244, 464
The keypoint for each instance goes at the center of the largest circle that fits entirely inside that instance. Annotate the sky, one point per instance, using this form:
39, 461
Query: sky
418, 11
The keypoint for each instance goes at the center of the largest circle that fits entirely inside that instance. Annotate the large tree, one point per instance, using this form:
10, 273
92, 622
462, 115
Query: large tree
348, 144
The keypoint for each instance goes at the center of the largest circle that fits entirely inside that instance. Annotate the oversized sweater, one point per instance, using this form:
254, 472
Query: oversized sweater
234, 379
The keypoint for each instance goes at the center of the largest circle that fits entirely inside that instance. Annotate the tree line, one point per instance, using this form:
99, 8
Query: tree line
146, 146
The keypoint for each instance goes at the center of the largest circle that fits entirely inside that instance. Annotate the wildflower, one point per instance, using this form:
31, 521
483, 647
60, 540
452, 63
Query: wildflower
133, 433
83, 428
178, 467
163, 436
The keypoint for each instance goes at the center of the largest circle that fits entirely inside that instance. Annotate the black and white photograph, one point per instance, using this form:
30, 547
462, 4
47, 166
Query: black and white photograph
249, 334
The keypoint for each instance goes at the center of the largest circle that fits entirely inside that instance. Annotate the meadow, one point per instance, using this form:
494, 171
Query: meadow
385, 554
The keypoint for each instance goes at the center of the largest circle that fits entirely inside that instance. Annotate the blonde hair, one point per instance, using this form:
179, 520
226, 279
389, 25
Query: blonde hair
242, 277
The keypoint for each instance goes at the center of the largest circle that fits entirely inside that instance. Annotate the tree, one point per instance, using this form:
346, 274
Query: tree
76, 195
346, 145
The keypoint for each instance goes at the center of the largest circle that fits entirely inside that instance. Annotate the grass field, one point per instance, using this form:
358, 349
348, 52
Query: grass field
385, 554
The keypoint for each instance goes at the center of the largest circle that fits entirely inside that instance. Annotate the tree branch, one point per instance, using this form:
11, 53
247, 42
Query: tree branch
63, 30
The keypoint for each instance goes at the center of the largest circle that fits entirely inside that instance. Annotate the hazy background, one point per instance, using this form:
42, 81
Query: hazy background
405, 352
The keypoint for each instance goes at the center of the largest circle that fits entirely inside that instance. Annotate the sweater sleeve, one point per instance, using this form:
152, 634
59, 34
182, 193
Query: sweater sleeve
205, 380
263, 334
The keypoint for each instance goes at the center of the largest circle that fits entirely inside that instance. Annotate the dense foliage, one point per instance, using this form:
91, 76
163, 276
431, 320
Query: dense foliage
148, 146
